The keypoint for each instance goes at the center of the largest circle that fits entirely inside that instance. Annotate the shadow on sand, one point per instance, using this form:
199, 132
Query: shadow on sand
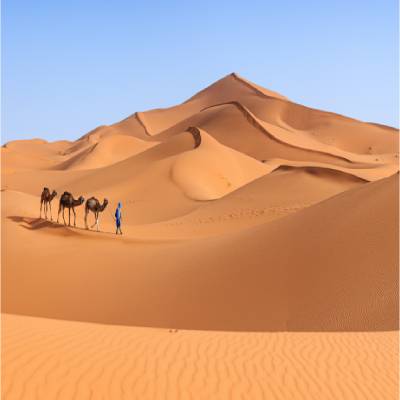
34, 223
40, 223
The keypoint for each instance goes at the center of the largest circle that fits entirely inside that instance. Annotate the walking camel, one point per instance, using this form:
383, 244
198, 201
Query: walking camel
94, 206
45, 201
68, 201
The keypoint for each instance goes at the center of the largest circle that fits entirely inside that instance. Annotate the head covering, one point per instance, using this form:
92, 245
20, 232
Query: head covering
119, 205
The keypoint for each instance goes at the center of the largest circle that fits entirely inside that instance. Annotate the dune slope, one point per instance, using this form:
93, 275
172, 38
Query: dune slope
255, 279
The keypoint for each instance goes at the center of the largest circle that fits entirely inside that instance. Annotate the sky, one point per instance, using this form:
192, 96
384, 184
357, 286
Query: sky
69, 66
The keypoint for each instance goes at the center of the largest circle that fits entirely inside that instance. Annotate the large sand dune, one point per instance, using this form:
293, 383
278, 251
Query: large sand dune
248, 280
242, 211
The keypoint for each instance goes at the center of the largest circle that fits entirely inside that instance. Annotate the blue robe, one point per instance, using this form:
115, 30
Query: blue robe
118, 217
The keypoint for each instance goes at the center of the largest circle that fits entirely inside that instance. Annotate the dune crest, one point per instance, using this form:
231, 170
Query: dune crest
229, 88
110, 150
258, 89
296, 138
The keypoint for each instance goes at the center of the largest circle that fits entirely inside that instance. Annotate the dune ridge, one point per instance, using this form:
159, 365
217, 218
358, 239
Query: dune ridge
367, 174
226, 89
258, 89
222, 123
108, 151
281, 135
137, 116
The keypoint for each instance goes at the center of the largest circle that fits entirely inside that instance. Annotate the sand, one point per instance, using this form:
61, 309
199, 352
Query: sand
71, 360
264, 231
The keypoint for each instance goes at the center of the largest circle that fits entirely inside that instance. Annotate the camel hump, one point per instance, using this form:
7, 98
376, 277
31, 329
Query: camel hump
45, 189
67, 193
92, 202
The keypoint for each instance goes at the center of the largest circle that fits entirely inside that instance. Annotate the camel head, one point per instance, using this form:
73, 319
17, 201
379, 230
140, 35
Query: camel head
81, 199
54, 194
104, 205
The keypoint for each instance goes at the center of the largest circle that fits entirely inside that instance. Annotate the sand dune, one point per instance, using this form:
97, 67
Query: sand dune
241, 115
155, 196
275, 195
242, 212
229, 88
57, 360
37, 146
108, 151
226, 170
275, 109
31, 154
326, 127
364, 172
264, 141
214, 285
12, 161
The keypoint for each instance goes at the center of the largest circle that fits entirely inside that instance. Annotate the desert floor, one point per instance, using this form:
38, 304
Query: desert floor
50, 359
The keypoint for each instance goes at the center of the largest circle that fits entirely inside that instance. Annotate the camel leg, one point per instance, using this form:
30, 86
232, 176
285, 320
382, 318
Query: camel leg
73, 210
65, 222
45, 210
41, 204
59, 211
97, 221
51, 214
94, 220
92, 226
86, 214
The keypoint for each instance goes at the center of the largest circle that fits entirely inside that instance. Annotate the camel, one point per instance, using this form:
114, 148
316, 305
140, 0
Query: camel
68, 201
45, 201
94, 205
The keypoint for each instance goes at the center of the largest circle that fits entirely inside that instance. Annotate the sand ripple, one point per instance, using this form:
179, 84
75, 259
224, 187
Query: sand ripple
50, 359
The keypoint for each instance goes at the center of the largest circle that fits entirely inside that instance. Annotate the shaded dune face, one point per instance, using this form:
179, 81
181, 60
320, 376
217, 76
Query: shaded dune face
241, 211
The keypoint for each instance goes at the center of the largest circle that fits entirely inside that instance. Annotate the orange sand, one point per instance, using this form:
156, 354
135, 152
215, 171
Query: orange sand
49, 359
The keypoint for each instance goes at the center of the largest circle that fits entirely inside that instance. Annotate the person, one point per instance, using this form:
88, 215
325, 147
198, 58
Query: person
118, 217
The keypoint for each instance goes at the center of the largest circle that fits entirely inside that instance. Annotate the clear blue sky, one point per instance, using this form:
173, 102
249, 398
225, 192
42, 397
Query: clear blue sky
69, 66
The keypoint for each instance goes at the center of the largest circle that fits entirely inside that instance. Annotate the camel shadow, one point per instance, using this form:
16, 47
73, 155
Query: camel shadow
40, 223
34, 223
